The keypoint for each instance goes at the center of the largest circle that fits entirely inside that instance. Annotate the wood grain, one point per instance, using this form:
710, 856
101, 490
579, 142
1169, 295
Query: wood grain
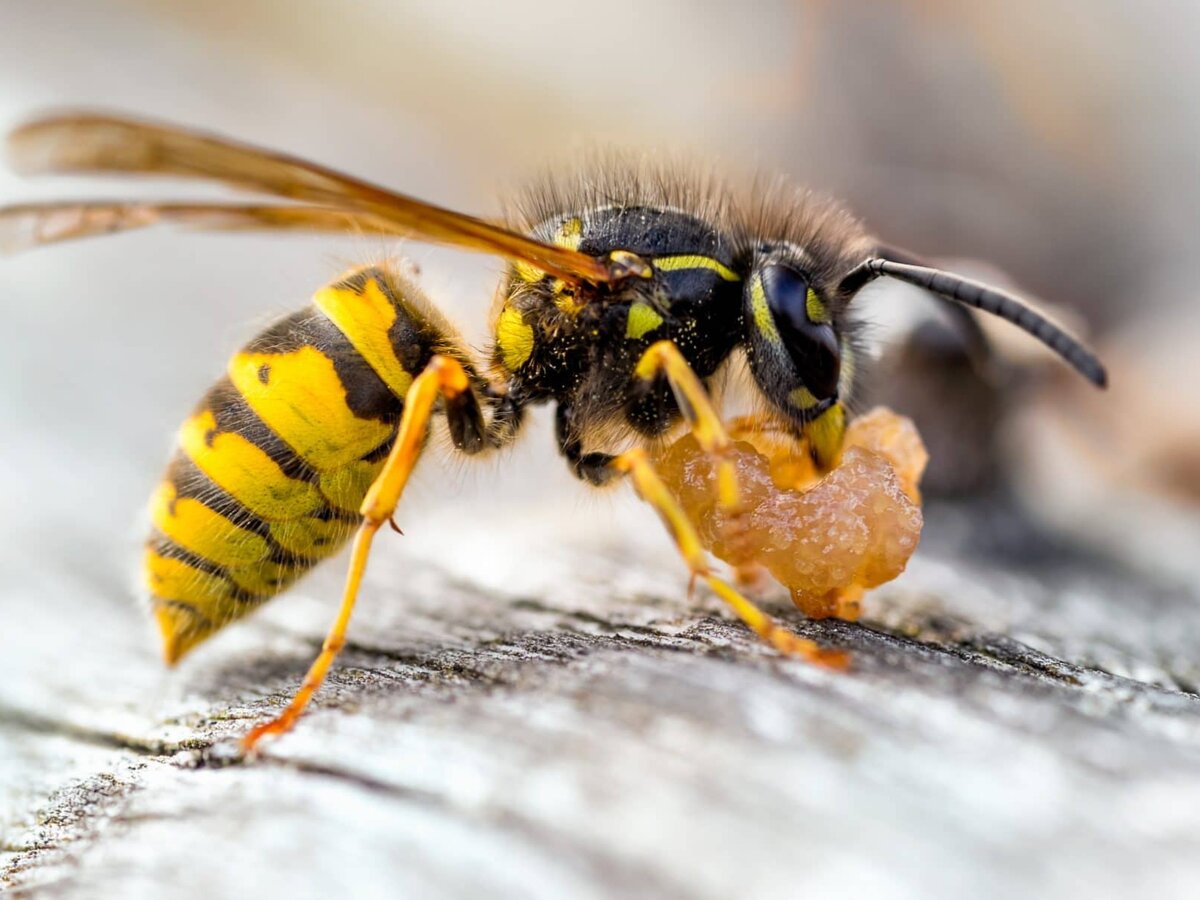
1013, 724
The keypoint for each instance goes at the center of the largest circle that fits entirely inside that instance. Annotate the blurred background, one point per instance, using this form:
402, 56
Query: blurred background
1047, 145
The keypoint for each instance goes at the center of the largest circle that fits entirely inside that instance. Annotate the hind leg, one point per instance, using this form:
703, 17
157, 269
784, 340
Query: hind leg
442, 377
665, 357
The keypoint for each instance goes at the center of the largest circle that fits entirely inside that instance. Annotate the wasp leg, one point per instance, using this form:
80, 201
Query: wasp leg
697, 408
444, 377
651, 488
665, 358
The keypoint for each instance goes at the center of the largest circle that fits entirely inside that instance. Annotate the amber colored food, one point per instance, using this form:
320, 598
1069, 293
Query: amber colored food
827, 540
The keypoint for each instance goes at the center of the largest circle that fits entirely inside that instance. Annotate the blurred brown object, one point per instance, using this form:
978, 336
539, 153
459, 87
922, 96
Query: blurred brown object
943, 384
962, 376
1123, 468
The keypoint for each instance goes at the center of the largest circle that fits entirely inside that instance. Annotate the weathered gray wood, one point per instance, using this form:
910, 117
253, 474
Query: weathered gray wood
537, 709
572, 725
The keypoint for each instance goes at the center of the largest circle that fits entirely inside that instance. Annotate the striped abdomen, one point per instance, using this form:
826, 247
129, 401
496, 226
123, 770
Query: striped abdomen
273, 465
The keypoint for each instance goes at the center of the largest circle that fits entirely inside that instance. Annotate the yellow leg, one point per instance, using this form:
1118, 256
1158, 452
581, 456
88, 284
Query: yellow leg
443, 376
698, 410
653, 490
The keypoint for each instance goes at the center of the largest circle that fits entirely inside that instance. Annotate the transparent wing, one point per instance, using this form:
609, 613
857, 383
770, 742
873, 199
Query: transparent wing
92, 143
28, 225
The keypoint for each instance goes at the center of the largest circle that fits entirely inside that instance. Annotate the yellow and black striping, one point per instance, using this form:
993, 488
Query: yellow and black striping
272, 466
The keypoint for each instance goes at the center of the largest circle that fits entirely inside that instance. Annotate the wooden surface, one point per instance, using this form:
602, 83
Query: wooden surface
530, 705
539, 711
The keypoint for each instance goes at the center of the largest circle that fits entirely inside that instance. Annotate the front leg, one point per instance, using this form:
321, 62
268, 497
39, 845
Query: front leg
665, 359
662, 358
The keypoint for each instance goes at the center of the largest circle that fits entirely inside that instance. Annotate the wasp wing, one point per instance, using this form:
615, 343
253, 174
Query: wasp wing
92, 143
24, 226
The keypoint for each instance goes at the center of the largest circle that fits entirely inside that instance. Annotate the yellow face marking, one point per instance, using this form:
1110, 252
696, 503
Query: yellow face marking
643, 318
300, 397
514, 338
815, 308
346, 487
310, 538
173, 579
825, 434
245, 472
802, 398
203, 531
695, 261
763, 320
365, 320
265, 579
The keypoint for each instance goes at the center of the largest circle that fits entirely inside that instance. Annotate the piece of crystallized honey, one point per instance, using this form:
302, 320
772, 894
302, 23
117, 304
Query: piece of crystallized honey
826, 539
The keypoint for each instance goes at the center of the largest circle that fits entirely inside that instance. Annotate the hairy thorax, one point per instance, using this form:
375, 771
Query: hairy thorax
579, 346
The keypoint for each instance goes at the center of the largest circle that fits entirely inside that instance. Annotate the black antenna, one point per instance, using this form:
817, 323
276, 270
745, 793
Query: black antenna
980, 296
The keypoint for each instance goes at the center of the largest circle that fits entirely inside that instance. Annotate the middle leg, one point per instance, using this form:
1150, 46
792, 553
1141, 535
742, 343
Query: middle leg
651, 488
665, 358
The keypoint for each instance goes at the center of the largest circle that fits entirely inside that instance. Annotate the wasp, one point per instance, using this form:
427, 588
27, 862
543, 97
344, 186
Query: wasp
627, 291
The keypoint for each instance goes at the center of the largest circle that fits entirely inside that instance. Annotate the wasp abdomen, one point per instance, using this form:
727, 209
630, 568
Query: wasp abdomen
272, 467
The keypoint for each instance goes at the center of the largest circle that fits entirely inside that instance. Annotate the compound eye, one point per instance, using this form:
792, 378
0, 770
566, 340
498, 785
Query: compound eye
804, 326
